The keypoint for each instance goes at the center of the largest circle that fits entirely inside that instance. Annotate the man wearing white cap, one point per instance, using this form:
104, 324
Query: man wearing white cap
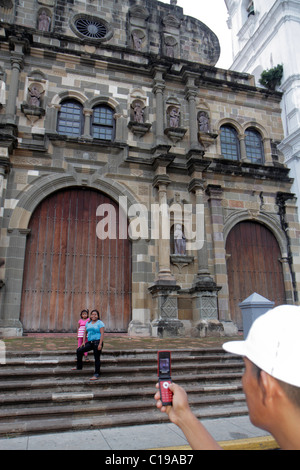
271, 382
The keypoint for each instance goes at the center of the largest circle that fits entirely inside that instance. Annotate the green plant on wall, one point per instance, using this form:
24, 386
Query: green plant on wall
272, 78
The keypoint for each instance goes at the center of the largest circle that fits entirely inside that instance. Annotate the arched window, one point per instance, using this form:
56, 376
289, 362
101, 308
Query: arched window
70, 118
103, 123
254, 146
230, 145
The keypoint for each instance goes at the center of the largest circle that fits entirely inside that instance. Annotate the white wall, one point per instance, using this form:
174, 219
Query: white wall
262, 41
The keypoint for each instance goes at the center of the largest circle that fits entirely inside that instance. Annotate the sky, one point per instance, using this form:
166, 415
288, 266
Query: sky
213, 13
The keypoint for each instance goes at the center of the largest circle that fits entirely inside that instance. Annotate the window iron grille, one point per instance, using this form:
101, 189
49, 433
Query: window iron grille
91, 28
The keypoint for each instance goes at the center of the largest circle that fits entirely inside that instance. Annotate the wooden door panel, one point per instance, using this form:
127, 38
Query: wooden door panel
253, 265
67, 268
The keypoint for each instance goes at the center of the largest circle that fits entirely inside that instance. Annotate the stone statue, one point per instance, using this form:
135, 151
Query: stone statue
138, 113
137, 41
203, 121
170, 50
170, 44
174, 117
35, 95
179, 241
44, 21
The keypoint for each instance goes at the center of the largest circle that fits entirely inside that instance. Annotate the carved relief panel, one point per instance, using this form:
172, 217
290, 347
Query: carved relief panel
138, 28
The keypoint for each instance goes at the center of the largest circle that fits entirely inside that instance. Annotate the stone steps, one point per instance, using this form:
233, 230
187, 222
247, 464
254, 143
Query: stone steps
73, 423
40, 393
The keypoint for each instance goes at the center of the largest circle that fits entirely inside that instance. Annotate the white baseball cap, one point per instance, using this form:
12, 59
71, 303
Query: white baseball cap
273, 344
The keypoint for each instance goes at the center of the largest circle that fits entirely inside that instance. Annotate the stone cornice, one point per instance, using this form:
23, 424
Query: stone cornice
145, 62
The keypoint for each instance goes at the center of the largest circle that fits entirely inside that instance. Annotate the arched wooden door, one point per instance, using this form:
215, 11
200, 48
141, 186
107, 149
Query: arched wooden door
253, 265
68, 268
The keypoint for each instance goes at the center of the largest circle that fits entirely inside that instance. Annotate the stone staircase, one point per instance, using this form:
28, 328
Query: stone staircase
40, 393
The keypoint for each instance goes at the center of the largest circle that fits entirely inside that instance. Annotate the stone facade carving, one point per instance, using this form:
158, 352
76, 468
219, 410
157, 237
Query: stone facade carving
203, 120
44, 20
141, 125
35, 95
179, 240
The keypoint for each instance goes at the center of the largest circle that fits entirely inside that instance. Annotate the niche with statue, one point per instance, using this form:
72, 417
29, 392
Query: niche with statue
137, 123
180, 234
205, 136
174, 131
33, 107
179, 256
44, 20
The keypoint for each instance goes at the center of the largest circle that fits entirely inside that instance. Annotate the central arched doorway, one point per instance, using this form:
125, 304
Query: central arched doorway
68, 268
253, 265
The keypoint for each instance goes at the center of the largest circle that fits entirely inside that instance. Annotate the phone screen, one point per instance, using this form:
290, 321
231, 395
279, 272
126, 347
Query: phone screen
164, 365
164, 373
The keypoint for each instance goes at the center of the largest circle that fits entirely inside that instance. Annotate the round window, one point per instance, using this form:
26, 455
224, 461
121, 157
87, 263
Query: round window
92, 28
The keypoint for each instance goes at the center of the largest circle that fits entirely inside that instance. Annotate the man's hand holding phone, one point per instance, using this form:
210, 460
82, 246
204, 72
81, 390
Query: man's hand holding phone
172, 399
180, 405
164, 377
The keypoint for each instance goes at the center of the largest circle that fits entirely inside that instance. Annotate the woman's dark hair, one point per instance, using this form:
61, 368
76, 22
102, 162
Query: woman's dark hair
84, 311
96, 311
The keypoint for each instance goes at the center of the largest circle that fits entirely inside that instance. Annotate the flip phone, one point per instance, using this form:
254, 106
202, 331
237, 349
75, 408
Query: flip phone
164, 376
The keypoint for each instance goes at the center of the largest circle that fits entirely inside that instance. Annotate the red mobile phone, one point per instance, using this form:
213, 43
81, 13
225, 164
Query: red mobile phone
164, 376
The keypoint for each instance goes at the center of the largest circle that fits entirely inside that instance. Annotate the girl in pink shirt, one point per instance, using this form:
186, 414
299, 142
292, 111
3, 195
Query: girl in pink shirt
84, 318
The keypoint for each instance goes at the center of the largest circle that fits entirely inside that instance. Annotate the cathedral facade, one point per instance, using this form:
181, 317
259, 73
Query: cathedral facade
136, 177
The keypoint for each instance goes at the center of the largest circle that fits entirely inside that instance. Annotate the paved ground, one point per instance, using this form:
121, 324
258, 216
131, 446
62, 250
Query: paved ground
232, 433
53, 342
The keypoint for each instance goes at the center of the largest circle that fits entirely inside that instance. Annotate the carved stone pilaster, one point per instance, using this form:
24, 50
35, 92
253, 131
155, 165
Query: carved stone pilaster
158, 90
191, 92
166, 323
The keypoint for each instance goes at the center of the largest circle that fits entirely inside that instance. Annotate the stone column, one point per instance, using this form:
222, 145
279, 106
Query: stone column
289, 222
11, 293
51, 118
215, 195
243, 149
4, 169
2, 174
87, 124
205, 290
164, 290
161, 182
191, 92
196, 167
121, 128
267, 152
17, 62
158, 89
288, 283
198, 187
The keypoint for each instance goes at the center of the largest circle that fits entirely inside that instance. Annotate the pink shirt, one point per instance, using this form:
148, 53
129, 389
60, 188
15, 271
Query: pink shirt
81, 329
